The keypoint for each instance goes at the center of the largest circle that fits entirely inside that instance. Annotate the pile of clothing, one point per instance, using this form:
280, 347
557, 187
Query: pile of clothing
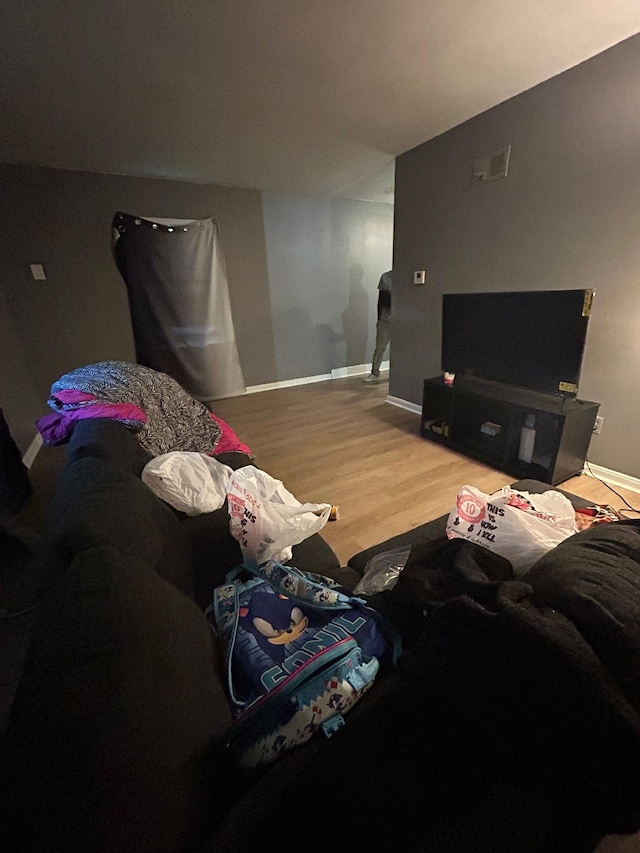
162, 414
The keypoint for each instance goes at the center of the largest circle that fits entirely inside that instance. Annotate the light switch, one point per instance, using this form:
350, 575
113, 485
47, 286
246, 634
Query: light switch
419, 277
37, 271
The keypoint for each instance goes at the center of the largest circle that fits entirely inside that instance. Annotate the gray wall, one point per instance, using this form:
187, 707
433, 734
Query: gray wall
325, 257
565, 217
62, 219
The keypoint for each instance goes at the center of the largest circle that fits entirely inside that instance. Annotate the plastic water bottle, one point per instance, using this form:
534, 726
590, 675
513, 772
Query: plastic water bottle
527, 439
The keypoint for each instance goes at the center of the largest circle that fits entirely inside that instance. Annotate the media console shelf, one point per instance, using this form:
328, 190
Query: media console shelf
484, 420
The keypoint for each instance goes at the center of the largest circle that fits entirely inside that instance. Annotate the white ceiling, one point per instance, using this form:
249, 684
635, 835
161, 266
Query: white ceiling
311, 97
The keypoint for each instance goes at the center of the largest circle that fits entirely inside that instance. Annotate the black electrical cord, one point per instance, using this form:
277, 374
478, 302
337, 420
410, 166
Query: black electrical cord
623, 510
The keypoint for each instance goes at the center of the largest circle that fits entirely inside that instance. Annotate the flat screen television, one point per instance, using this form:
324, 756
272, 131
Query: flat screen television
532, 339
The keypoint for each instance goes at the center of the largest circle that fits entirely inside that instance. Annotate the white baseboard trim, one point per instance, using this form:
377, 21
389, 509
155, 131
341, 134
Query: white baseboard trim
336, 373
32, 451
404, 404
612, 478
288, 383
354, 370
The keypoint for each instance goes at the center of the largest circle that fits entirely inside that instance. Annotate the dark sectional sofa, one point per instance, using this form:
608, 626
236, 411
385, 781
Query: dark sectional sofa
511, 723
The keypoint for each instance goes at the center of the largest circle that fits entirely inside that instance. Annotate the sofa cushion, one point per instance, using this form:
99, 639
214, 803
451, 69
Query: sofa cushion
117, 443
98, 502
593, 578
112, 741
421, 535
108, 440
214, 553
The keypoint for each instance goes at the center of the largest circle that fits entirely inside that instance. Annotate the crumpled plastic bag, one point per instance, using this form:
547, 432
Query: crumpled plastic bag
517, 525
381, 572
266, 519
193, 483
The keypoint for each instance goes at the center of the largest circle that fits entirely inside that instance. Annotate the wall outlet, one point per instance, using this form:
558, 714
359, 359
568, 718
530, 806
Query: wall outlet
37, 271
597, 428
419, 276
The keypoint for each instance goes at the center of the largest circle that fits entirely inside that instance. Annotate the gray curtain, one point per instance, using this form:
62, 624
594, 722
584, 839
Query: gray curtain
179, 301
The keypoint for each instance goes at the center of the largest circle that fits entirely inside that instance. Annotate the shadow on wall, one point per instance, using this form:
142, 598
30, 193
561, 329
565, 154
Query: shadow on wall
308, 348
303, 348
355, 319
329, 340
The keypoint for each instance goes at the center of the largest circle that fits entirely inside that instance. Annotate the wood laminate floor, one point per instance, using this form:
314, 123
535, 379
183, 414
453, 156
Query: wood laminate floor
338, 442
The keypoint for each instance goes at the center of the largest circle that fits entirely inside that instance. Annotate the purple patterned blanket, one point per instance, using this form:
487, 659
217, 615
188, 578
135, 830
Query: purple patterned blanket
174, 419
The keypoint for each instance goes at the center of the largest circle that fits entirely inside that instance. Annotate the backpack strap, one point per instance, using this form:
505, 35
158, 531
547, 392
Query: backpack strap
317, 590
226, 615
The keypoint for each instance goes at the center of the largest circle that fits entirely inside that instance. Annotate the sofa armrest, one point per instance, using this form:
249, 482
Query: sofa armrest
108, 440
113, 739
99, 503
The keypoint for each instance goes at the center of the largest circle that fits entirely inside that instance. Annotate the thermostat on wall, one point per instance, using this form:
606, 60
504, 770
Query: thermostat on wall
419, 277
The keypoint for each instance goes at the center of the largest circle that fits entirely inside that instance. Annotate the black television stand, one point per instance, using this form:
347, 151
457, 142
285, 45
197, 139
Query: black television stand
484, 420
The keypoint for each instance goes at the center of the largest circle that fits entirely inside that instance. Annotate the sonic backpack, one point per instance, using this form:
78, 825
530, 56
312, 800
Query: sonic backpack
299, 653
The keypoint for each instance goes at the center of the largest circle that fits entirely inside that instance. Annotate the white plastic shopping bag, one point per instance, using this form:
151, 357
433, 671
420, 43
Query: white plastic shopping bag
266, 519
517, 525
190, 482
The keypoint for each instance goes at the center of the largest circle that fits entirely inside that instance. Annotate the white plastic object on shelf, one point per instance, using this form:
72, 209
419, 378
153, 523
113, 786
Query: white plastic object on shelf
527, 439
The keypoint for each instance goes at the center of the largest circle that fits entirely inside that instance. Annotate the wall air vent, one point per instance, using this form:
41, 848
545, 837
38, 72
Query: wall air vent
490, 167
